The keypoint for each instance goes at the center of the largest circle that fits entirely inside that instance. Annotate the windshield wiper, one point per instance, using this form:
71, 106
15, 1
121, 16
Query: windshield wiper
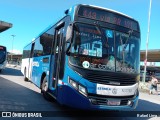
100, 31
126, 43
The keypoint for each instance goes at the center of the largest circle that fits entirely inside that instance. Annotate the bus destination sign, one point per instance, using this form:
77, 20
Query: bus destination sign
107, 16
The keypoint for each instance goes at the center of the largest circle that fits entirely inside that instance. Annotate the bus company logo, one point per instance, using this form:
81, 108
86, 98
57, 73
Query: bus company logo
103, 88
35, 64
85, 64
114, 91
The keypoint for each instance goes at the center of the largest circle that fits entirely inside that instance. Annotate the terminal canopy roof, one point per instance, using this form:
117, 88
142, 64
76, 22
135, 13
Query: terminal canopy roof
153, 55
4, 26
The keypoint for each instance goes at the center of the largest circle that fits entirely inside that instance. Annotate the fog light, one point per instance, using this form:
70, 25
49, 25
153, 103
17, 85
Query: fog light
93, 101
129, 102
82, 90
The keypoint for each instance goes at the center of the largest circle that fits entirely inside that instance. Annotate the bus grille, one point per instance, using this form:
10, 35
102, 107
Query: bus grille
120, 80
102, 100
107, 77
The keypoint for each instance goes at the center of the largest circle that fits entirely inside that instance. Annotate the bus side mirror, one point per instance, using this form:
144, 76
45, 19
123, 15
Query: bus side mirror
69, 33
69, 38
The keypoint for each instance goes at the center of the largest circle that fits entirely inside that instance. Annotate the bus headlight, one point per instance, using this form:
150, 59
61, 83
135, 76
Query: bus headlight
82, 90
73, 83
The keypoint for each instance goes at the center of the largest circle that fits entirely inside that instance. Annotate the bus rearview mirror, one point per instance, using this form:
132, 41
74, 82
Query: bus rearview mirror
69, 33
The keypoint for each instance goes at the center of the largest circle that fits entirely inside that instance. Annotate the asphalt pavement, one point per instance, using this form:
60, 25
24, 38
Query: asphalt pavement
17, 95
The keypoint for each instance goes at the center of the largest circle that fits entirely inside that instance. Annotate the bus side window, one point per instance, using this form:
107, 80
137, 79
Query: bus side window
46, 40
38, 50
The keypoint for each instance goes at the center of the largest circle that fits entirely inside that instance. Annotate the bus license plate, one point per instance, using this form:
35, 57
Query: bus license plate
113, 102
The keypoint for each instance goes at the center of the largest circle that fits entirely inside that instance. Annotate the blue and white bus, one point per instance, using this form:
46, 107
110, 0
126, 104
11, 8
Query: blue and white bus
89, 59
3, 57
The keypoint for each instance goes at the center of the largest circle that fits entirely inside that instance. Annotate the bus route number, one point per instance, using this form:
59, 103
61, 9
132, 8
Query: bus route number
89, 14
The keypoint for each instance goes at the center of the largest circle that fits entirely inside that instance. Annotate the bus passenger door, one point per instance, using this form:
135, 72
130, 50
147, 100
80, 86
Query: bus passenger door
30, 62
57, 55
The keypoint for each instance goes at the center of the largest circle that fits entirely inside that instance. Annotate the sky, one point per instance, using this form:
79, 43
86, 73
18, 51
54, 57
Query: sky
31, 17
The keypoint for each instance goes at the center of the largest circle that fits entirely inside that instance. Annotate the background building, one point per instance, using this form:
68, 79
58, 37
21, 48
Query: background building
153, 63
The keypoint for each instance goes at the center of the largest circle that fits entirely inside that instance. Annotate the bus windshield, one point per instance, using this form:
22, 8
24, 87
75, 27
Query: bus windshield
99, 48
2, 55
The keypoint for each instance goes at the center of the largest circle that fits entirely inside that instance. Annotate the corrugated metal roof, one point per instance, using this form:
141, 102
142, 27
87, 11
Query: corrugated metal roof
4, 26
153, 55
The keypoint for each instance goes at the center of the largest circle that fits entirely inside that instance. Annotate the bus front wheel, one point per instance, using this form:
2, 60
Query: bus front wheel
44, 89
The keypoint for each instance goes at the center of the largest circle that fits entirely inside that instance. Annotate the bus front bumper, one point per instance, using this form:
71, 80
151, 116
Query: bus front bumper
73, 98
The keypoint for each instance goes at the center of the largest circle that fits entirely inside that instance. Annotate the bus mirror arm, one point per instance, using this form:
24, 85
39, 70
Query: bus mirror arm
68, 49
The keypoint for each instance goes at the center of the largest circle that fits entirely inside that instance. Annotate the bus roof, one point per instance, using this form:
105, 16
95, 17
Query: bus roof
104, 15
111, 10
106, 9
72, 11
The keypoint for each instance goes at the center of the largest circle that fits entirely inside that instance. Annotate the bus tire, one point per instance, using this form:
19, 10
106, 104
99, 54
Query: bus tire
25, 78
44, 89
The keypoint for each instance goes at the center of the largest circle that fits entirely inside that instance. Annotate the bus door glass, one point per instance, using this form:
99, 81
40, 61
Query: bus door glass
57, 55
